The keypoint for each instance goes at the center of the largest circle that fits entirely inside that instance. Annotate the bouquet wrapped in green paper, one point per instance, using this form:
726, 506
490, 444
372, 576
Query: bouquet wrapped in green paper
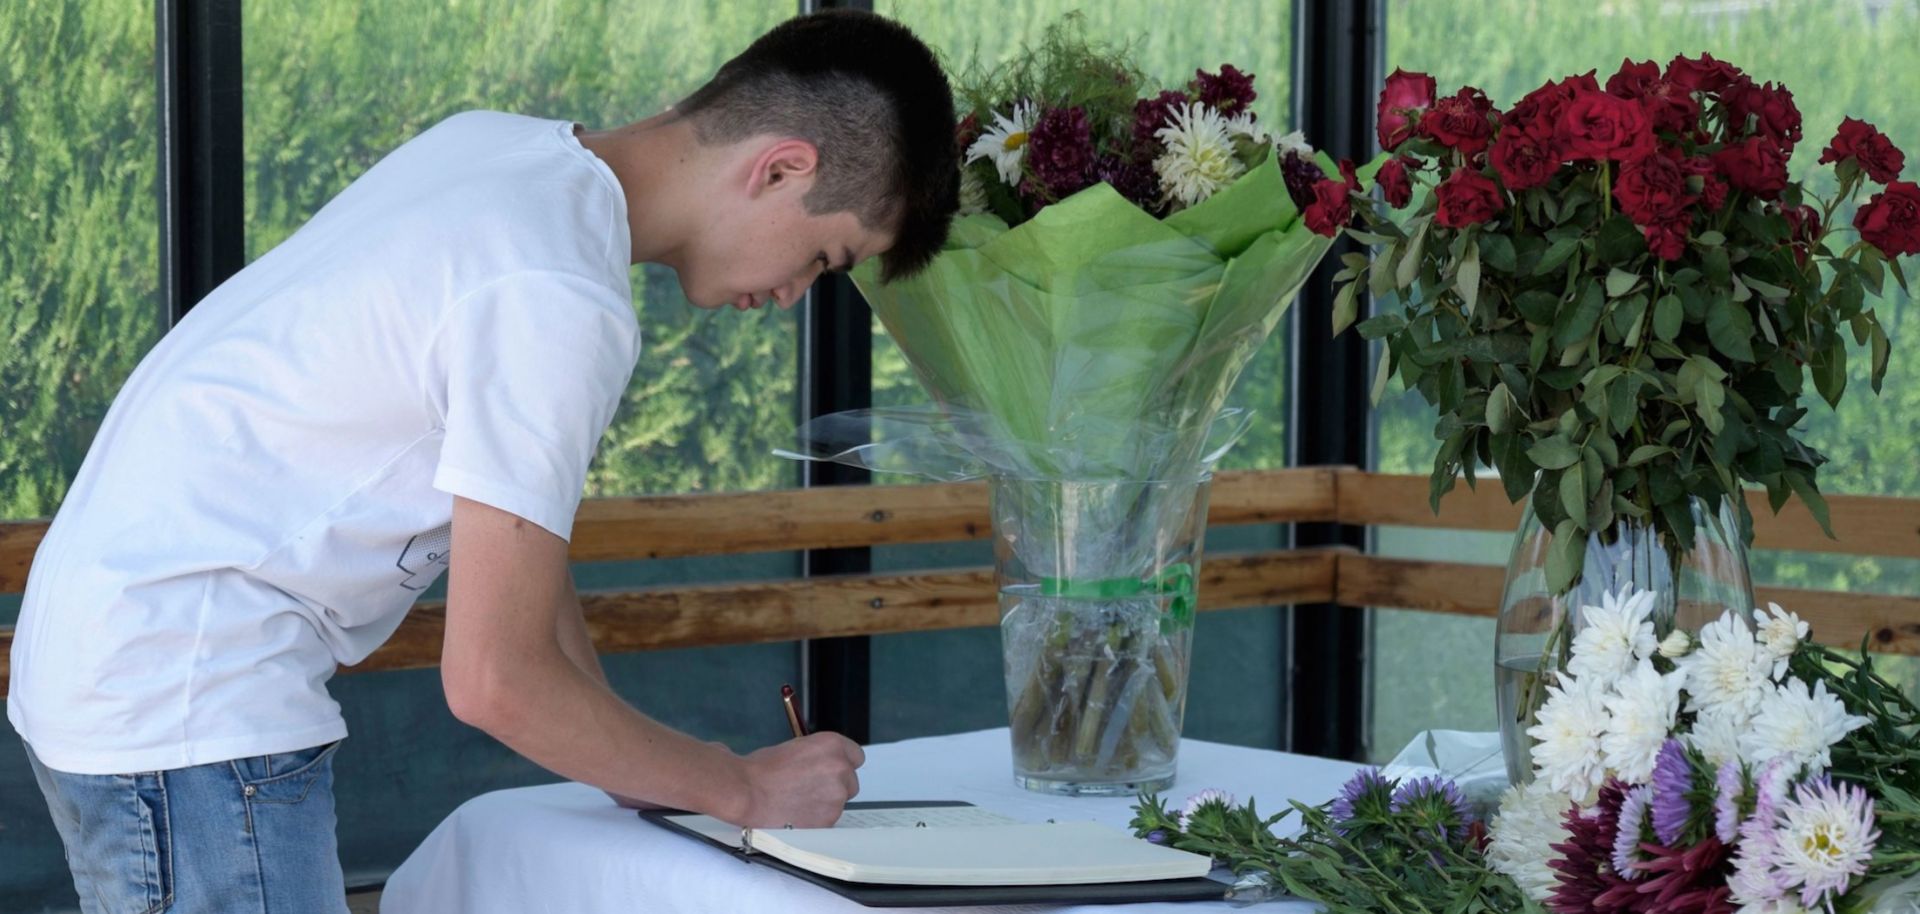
1118, 262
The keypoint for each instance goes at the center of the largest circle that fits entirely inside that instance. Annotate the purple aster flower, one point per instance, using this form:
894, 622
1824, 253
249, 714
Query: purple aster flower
1363, 792
1825, 840
1729, 788
1633, 827
1157, 836
1208, 797
1672, 778
1433, 802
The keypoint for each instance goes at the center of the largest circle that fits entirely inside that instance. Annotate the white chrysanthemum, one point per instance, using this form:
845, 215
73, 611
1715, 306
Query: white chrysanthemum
1006, 141
1717, 736
1675, 645
1640, 713
1799, 725
973, 194
1244, 124
1780, 635
1614, 636
1566, 749
1727, 673
1530, 818
1295, 142
1825, 839
1203, 798
1199, 159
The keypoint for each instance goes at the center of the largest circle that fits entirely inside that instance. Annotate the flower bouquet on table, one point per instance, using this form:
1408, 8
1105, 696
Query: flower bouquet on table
1120, 256
1613, 295
1749, 770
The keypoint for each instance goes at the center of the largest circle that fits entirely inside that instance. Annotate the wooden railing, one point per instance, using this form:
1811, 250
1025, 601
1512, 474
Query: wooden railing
742, 613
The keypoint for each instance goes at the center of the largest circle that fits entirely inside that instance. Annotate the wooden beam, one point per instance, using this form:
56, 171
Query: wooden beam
1891, 624
673, 526
1864, 524
661, 618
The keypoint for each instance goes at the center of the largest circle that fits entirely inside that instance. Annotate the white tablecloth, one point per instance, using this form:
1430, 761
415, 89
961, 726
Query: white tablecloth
567, 848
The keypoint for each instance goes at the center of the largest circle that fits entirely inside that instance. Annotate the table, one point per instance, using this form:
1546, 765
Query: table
567, 848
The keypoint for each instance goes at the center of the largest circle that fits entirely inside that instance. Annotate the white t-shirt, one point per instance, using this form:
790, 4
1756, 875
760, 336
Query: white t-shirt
274, 485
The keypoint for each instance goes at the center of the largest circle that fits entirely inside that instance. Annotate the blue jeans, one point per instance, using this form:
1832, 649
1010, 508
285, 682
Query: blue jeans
249, 836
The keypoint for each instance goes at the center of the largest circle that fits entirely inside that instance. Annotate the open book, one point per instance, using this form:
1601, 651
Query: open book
954, 845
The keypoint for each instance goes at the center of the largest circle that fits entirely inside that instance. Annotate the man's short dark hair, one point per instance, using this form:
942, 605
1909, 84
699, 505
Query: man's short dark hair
872, 99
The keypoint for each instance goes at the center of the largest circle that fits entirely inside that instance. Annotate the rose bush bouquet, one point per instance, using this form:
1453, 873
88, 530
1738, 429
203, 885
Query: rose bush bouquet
1613, 294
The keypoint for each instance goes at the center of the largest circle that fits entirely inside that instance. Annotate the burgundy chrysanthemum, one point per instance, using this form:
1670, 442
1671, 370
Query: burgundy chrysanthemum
1060, 149
1134, 180
1301, 174
1149, 115
1585, 862
1686, 880
1230, 92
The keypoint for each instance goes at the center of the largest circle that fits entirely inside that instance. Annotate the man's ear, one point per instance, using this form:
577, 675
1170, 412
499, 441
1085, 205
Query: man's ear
787, 163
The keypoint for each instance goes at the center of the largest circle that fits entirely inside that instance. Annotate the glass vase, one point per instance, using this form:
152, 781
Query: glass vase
1097, 596
1536, 627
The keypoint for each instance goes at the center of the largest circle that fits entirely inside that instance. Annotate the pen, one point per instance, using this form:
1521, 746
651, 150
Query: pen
793, 713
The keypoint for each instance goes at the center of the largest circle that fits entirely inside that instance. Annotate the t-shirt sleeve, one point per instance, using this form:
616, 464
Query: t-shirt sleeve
535, 364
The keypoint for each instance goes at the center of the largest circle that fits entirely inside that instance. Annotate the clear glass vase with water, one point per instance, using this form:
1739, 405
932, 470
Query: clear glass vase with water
1534, 635
1097, 584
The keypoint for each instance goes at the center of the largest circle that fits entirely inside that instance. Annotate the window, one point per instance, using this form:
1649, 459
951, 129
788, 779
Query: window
1845, 59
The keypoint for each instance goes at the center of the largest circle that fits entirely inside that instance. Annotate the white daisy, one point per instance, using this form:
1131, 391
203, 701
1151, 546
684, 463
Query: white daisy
1614, 636
1780, 634
1566, 751
1006, 141
1531, 817
973, 193
1244, 124
1640, 714
1675, 645
1727, 673
1199, 160
1825, 838
1295, 142
1717, 736
1798, 725
1208, 796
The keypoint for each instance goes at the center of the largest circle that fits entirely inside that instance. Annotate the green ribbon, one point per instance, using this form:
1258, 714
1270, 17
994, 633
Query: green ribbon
1174, 580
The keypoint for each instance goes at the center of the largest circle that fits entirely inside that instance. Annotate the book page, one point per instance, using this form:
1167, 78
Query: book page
900, 817
1049, 854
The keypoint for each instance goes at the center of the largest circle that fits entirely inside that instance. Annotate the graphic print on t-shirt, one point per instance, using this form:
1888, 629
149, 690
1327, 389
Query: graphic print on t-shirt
425, 557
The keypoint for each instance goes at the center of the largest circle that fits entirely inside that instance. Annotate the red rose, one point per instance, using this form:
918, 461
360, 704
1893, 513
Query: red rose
1468, 197
1524, 159
1406, 97
1350, 175
1595, 125
1460, 121
1703, 75
1668, 240
1803, 227
1653, 188
1634, 80
1672, 109
1331, 209
1755, 166
1771, 109
1706, 182
1891, 220
1394, 181
1539, 112
1877, 155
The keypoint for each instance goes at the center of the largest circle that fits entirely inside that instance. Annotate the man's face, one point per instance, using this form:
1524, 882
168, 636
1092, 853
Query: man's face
761, 245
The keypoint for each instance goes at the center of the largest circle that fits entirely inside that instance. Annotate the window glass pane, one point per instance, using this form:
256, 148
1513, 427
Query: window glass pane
333, 85
1848, 58
79, 300
1238, 678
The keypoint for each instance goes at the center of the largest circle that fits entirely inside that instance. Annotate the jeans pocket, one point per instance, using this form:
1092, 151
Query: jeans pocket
285, 777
